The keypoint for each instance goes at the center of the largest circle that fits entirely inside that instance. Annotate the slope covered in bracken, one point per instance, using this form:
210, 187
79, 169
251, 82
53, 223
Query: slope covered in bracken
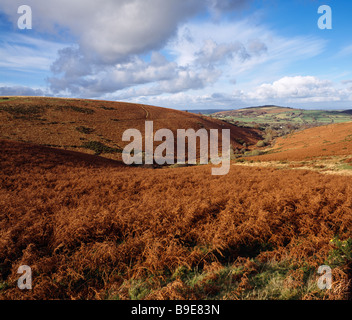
91, 229
323, 141
25, 155
94, 126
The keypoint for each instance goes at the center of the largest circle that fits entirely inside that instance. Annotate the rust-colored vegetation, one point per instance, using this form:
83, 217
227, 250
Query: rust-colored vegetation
91, 228
95, 126
318, 142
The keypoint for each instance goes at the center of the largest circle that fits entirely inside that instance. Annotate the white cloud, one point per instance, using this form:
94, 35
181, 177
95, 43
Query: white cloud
289, 87
245, 43
287, 91
299, 89
91, 81
212, 53
183, 80
108, 38
111, 30
220, 62
201, 53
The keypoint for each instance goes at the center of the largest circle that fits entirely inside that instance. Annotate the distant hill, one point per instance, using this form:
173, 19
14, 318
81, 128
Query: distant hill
253, 111
268, 106
96, 126
206, 111
347, 111
279, 116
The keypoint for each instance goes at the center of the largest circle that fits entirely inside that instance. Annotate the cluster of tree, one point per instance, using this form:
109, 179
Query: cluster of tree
270, 131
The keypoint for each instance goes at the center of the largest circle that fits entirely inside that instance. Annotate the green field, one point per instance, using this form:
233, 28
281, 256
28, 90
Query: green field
261, 116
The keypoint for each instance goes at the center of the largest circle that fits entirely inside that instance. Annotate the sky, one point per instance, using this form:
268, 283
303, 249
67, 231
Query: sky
182, 54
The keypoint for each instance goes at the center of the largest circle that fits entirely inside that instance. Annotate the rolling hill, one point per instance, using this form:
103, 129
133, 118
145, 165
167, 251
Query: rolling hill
280, 116
349, 111
317, 142
91, 230
94, 126
253, 111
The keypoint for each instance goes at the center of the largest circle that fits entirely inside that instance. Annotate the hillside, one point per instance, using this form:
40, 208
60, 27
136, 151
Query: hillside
322, 141
93, 228
278, 117
94, 232
27, 155
94, 126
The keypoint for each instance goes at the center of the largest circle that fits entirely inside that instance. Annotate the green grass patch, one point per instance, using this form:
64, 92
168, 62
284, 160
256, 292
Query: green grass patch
3, 286
139, 289
5, 99
341, 253
100, 148
297, 117
76, 109
261, 144
345, 166
23, 111
265, 281
85, 130
253, 153
107, 108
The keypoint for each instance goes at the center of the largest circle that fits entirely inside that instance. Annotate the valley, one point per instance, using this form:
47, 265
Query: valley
92, 227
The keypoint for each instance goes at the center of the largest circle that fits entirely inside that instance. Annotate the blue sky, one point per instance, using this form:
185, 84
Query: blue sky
193, 54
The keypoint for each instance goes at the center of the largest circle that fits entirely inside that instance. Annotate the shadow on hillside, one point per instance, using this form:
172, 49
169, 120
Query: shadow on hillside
27, 155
